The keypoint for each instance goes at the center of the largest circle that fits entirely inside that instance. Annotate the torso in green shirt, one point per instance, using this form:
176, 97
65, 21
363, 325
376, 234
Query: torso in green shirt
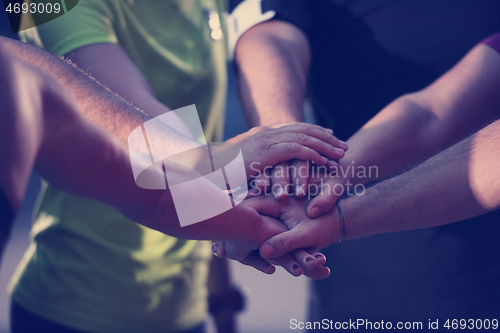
88, 267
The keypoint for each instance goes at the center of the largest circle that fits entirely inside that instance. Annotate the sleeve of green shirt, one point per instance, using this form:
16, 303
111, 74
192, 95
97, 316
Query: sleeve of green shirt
90, 22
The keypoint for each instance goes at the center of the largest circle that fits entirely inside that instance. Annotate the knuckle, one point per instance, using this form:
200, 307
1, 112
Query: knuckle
303, 127
295, 147
301, 137
255, 130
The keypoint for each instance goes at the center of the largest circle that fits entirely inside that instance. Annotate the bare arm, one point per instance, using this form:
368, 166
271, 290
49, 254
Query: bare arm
110, 65
273, 61
464, 179
86, 160
98, 103
417, 126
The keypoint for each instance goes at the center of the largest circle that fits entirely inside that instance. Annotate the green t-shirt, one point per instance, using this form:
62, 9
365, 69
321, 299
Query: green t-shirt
88, 267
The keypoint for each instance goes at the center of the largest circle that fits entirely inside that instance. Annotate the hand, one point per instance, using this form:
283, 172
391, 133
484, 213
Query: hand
300, 178
308, 261
303, 231
328, 187
300, 261
324, 184
290, 178
264, 147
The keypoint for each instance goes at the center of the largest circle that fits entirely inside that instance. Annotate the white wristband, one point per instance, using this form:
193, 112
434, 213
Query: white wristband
246, 15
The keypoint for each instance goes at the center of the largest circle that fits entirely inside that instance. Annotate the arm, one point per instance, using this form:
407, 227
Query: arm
273, 61
419, 125
464, 179
99, 105
110, 65
92, 163
105, 109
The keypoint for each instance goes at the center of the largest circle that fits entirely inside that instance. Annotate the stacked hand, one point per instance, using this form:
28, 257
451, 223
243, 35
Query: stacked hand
290, 148
265, 147
295, 247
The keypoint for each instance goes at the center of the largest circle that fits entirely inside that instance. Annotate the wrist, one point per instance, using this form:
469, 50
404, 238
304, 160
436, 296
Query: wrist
158, 212
342, 226
281, 115
348, 216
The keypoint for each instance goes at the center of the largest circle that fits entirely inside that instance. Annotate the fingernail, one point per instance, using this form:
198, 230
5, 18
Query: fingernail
268, 251
319, 256
339, 151
295, 267
309, 259
280, 193
214, 248
314, 211
332, 163
300, 194
258, 183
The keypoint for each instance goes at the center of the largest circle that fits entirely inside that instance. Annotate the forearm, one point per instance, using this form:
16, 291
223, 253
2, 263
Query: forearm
94, 164
273, 61
461, 182
98, 103
111, 66
420, 124
401, 135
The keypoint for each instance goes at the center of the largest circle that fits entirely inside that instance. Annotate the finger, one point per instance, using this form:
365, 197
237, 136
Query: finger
285, 242
304, 259
289, 264
264, 205
333, 167
255, 260
280, 180
318, 132
318, 127
320, 257
318, 273
258, 185
299, 175
312, 271
331, 191
285, 151
323, 147
219, 249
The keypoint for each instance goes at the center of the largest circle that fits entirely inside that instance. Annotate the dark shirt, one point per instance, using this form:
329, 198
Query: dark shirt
6, 214
366, 53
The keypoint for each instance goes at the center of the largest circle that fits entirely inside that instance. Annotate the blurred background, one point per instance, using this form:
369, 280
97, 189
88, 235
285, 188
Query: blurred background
272, 301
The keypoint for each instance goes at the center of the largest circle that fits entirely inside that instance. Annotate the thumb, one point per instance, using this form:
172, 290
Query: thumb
284, 242
323, 202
